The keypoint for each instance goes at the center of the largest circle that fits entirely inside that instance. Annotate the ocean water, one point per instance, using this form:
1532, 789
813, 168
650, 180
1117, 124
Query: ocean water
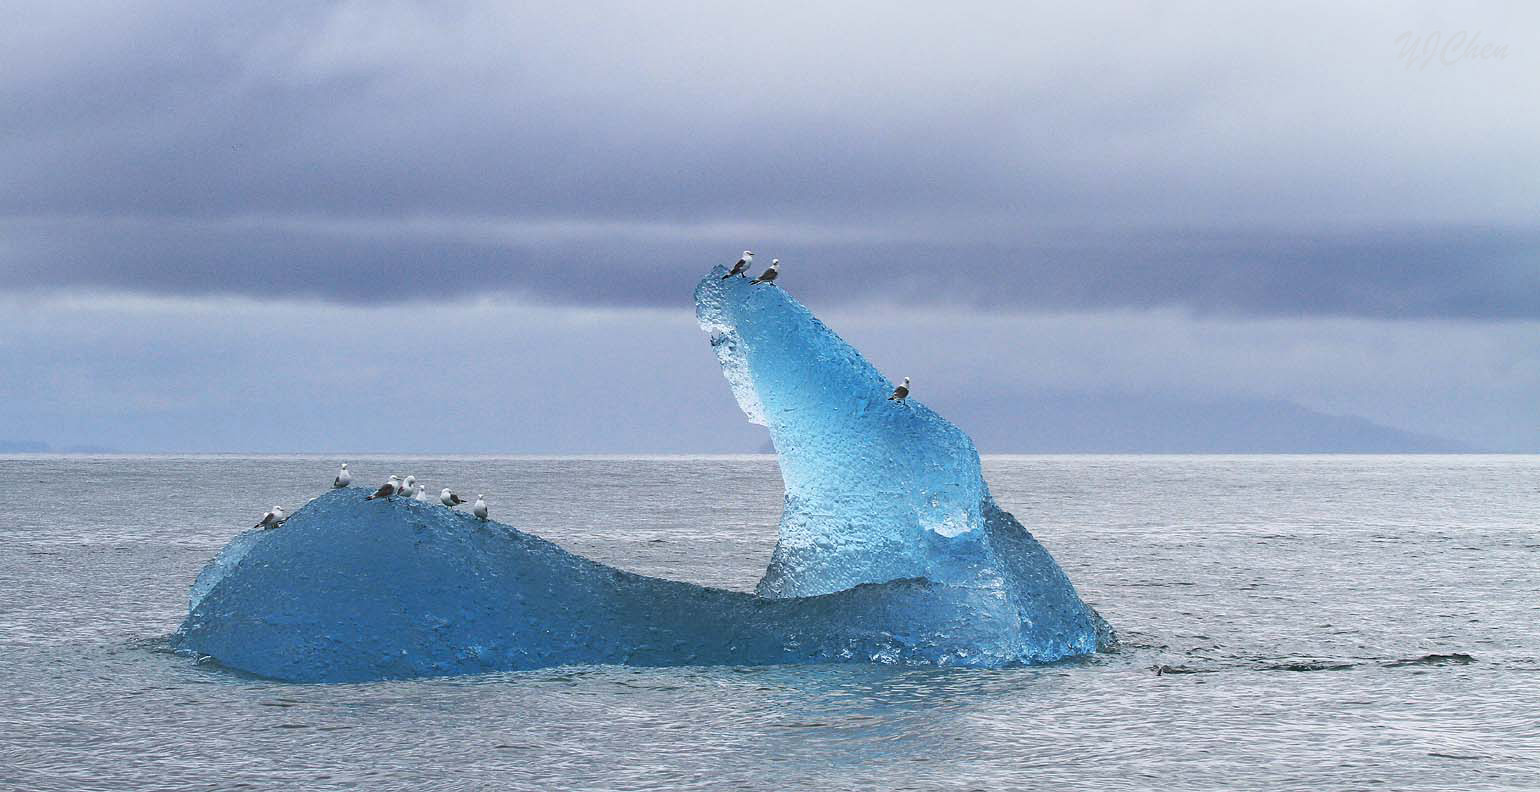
1288, 622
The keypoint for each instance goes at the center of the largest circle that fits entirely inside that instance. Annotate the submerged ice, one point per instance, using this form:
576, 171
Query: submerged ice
890, 550
349, 590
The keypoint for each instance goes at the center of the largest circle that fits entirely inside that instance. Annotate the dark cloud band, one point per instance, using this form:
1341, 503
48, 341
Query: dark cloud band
1449, 272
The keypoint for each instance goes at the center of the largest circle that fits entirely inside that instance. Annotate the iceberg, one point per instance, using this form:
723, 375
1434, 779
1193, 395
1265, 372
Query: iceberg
890, 550
876, 490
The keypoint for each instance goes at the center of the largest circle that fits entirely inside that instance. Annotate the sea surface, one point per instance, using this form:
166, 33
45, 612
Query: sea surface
1287, 622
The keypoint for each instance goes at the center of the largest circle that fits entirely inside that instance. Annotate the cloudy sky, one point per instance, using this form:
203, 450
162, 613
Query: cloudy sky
476, 226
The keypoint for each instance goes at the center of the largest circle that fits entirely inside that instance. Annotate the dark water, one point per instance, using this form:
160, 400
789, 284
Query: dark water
1319, 623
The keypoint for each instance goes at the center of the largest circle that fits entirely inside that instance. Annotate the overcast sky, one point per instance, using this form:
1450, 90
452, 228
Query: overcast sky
265, 226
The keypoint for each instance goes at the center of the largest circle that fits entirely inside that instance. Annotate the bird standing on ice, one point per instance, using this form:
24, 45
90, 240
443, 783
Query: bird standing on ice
449, 498
272, 519
901, 392
480, 509
421, 495
387, 489
344, 478
742, 266
409, 487
769, 275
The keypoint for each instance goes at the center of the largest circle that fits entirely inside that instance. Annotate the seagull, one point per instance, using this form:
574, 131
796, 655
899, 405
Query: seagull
421, 495
344, 478
449, 498
742, 266
769, 274
480, 509
409, 487
901, 392
272, 519
387, 489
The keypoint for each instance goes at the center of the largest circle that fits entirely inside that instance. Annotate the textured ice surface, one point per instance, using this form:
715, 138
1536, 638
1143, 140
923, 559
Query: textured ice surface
876, 490
891, 550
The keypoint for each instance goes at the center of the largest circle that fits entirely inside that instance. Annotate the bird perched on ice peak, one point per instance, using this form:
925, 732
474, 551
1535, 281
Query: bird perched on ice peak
409, 487
344, 478
387, 489
480, 509
742, 266
901, 392
770, 274
449, 498
421, 495
272, 519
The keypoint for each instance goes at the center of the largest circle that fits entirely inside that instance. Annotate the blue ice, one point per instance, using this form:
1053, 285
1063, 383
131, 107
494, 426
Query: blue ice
891, 550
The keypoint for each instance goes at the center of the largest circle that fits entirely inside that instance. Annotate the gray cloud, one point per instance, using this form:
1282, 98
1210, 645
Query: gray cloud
1026, 159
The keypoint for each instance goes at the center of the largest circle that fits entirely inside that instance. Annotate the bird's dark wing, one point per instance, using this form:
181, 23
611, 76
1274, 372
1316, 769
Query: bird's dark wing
383, 492
337, 482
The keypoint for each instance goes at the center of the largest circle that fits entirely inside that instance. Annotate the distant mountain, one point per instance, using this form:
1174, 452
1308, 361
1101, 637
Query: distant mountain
1109, 423
36, 447
1058, 422
23, 447
1055, 422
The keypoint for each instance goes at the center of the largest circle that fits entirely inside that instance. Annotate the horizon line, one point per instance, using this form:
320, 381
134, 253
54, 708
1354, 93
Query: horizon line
707, 454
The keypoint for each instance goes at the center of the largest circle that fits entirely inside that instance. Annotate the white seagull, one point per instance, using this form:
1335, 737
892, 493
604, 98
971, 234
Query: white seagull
742, 266
480, 509
449, 498
272, 519
421, 495
409, 487
901, 392
387, 489
769, 275
344, 478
